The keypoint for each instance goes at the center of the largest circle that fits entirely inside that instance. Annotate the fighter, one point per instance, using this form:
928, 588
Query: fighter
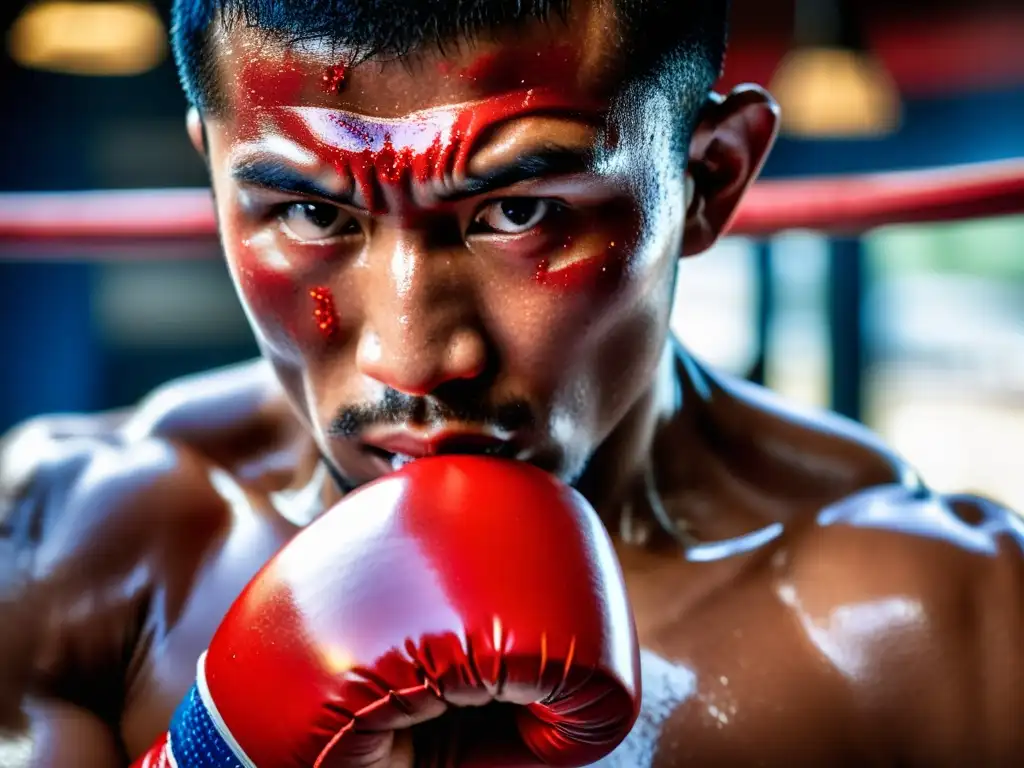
455, 228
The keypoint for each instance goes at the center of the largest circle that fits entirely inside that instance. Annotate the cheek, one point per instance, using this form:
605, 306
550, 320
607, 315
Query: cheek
269, 293
593, 270
290, 314
549, 324
588, 332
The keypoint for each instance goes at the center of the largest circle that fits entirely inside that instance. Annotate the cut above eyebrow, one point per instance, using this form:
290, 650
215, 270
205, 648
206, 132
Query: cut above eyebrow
546, 163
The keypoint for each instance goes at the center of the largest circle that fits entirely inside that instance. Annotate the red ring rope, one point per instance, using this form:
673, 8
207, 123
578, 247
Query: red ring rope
834, 205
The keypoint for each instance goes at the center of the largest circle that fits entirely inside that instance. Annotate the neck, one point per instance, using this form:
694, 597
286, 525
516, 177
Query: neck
621, 479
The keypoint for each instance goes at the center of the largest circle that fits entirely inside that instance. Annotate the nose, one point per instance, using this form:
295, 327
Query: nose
420, 328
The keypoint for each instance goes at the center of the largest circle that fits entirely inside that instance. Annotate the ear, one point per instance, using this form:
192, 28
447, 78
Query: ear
196, 131
732, 140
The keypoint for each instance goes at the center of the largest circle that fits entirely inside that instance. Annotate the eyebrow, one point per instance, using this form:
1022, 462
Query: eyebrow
546, 163
281, 177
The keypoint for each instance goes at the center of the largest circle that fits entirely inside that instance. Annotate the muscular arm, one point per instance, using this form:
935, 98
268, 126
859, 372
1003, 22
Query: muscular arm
44, 465
958, 681
891, 632
38, 728
88, 573
920, 597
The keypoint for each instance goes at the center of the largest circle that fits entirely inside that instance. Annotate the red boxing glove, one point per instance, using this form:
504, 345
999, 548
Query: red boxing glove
478, 600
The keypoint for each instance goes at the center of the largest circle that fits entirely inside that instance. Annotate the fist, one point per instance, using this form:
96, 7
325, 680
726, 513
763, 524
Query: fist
476, 603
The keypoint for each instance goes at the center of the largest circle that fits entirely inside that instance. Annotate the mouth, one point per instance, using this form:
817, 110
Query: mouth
395, 449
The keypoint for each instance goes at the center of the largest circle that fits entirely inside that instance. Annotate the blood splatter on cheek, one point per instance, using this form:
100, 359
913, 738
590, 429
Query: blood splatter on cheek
325, 313
289, 314
595, 269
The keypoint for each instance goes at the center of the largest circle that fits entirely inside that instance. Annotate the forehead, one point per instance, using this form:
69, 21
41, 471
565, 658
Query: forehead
579, 56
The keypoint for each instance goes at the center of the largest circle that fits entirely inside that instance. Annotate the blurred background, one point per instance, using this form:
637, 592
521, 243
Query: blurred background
916, 331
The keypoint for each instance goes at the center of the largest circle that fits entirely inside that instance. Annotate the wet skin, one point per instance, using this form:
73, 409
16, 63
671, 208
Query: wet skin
802, 598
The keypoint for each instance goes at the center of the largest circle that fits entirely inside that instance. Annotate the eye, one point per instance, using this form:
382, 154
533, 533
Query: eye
513, 215
310, 222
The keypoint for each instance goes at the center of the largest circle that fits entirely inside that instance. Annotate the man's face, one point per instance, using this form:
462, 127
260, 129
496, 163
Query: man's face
450, 253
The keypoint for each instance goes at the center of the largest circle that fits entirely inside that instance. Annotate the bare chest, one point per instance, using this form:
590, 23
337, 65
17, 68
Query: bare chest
728, 669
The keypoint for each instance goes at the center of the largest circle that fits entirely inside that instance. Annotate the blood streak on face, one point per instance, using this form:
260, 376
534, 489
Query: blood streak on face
599, 271
433, 145
430, 148
264, 84
325, 315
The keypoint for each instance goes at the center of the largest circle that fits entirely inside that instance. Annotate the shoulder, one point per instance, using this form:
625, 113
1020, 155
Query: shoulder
51, 447
888, 631
96, 514
198, 406
76, 473
917, 599
827, 455
43, 457
914, 533
127, 498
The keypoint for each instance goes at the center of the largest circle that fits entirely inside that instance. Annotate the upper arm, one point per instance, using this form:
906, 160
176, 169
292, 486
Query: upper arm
991, 685
73, 614
128, 527
923, 595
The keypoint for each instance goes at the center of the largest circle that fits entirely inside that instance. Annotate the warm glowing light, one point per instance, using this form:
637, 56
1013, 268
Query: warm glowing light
89, 38
836, 93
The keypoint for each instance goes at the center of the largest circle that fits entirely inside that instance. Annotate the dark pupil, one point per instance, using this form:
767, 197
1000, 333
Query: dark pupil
519, 212
320, 215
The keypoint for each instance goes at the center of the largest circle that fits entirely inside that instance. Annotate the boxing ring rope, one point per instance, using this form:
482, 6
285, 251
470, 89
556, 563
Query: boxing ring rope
837, 205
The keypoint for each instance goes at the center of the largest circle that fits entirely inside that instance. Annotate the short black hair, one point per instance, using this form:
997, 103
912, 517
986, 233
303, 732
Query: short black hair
682, 44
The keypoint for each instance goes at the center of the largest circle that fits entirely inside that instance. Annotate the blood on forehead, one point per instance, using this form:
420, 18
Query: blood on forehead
508, 69
430, 148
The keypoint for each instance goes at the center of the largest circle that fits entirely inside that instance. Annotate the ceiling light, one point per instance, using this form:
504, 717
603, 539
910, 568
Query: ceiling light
832, 85
89, 38
836, 93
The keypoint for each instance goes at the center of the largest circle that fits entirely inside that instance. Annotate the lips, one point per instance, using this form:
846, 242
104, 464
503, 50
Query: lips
398, 448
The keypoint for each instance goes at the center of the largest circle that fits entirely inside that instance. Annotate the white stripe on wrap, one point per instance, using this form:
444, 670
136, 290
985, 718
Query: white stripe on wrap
215, 718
